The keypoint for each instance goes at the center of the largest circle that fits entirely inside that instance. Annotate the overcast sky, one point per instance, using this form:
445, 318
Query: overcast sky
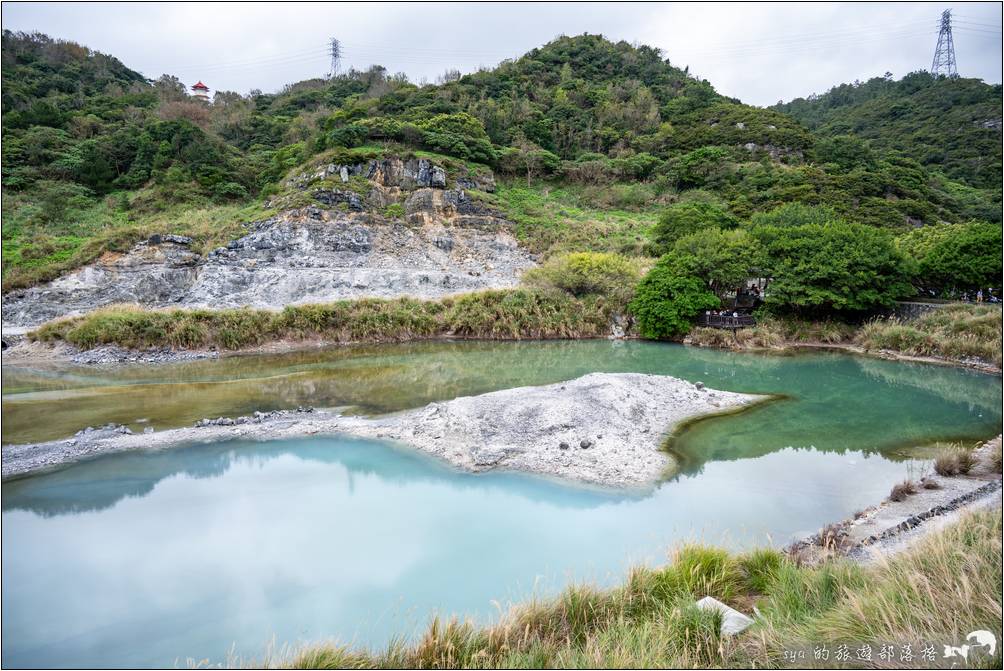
758, 52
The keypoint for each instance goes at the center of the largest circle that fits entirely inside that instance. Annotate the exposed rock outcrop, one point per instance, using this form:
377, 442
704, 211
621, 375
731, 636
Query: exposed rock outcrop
407, 174
438, 242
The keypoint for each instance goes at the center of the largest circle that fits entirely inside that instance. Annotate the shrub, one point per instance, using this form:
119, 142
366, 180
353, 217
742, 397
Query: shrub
704, 167
666, 302
794, 214
351, 135
585, 273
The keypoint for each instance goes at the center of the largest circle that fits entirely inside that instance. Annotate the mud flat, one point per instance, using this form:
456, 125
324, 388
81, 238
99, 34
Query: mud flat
604, 429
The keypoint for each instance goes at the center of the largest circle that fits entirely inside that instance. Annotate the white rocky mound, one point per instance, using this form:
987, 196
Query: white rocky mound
603, 428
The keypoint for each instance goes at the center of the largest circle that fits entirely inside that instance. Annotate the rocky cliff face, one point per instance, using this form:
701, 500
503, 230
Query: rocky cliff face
344, 247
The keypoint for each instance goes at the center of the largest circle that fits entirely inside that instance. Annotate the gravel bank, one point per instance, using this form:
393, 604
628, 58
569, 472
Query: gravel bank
892, 526
602, 428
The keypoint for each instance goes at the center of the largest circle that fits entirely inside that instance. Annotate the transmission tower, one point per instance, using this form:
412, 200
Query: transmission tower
944, 54
335, 49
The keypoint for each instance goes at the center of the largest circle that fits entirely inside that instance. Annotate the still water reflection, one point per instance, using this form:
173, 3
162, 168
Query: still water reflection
149, 558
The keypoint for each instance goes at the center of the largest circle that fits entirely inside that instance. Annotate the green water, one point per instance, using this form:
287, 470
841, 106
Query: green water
148, 559
835, 401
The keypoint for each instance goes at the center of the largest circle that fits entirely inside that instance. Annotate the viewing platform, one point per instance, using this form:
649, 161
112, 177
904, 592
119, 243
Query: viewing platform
726, 321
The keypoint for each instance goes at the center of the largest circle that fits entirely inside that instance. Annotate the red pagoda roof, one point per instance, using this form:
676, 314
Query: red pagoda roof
200, 85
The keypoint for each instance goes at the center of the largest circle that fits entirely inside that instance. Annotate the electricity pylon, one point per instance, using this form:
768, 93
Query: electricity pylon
944, 54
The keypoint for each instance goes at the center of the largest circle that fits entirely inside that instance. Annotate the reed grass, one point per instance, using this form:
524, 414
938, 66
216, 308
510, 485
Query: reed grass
958, 332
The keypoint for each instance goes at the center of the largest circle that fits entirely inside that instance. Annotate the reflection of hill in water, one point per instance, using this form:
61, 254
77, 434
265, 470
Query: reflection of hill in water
373, 380
102, 482
836, 402
954, 385
850, 404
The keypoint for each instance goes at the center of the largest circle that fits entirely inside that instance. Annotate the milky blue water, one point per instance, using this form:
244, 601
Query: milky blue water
148, 559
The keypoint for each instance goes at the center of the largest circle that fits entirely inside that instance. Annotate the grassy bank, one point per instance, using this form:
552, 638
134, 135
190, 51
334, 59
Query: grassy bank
775, 333
511, 314
949, 585
956, 332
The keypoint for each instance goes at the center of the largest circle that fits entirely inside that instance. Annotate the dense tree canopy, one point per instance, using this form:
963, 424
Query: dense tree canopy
949, 124
965, 261
833, 267
682, 219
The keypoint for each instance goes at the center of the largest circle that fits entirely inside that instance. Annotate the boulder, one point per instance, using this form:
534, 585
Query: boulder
733, 622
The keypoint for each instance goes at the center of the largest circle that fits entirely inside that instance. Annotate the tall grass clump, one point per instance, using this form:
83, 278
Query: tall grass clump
904, 598
508, 314
953, 332
902, 490
955, 461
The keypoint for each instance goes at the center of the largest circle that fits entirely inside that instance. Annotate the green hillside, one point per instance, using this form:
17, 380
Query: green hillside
951, 125
598, 146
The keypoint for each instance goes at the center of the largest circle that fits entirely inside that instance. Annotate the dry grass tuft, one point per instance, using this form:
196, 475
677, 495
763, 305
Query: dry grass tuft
902, 490
958, 332
955, 461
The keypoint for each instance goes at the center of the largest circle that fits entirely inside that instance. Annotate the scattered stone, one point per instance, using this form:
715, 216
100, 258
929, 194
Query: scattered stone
585, 443
158, 239
733, 622
563, 445
699, 384
109, 354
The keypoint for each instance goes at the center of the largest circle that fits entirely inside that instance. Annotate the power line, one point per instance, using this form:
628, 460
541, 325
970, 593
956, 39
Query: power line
807, 47
976, 31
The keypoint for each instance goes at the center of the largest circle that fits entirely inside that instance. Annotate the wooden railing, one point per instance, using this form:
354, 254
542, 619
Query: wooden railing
726, 321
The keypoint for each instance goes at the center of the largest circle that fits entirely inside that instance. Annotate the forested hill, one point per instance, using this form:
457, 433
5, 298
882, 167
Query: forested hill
948, 124
592, 141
